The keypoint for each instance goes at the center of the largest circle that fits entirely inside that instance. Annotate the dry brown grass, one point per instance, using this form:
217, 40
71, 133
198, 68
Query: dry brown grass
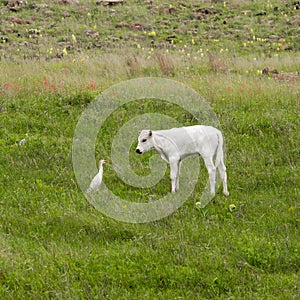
114, 67
217, 63
165, 63
133, 65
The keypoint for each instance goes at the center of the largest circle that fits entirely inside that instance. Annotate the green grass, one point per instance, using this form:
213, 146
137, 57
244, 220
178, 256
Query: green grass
55, 245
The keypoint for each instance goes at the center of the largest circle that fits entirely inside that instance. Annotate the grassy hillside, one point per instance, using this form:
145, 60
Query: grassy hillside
56, 57
58, 28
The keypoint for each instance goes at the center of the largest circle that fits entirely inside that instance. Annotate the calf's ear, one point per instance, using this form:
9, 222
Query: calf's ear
150, 132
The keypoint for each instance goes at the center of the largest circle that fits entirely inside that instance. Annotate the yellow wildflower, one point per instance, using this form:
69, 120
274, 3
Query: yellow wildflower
74, 38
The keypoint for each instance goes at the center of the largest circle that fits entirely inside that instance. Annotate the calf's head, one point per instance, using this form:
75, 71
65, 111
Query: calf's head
145, 142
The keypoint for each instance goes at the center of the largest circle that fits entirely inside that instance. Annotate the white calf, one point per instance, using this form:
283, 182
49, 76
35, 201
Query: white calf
175, 144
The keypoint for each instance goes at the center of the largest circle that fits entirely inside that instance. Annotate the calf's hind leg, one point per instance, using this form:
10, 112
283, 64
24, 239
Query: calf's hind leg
211, 172
223, 175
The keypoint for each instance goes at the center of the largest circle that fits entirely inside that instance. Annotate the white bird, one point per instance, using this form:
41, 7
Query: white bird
96, 182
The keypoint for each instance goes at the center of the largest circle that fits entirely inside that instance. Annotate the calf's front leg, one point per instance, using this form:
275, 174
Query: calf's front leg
178, 175
174, 175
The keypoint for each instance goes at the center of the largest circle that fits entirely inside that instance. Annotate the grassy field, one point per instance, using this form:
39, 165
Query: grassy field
56, 57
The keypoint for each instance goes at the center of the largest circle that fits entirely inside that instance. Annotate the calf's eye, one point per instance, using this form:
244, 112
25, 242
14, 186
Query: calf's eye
144, 140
